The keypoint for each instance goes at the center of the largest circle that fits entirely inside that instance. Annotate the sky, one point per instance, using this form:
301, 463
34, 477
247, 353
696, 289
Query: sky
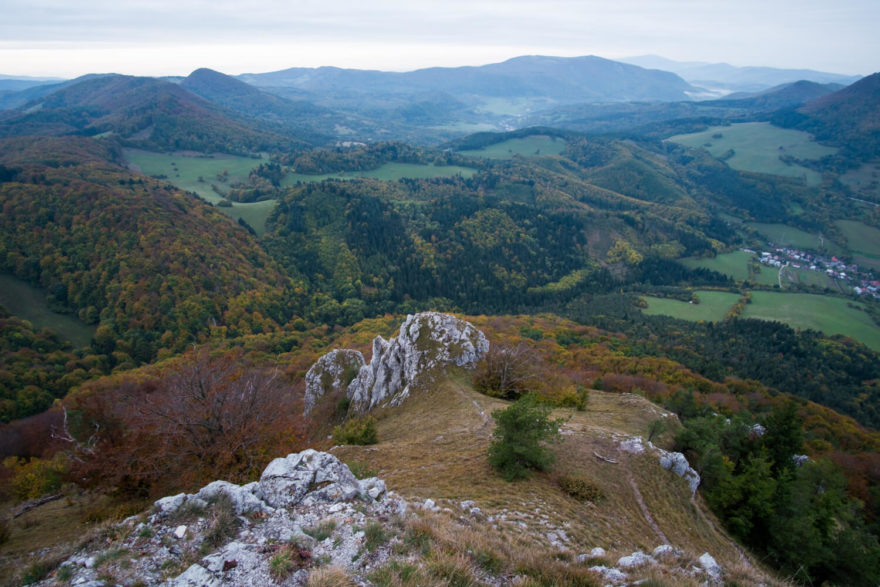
68, 38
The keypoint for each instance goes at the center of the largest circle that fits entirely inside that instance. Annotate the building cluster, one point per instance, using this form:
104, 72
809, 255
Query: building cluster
860, 280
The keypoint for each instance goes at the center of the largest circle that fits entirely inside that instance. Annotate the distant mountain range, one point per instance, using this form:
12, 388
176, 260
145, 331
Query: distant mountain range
209, 110
737, 79
560, 79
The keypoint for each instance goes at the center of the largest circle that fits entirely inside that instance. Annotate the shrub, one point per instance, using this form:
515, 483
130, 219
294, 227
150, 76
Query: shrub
36, 477
580, 487
357, 431
520, 431
506, 372
374, 536
322, 531
361, 470
223, 523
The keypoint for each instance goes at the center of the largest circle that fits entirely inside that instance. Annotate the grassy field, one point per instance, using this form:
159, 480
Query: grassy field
863, 240
528, 146
184, 172
825, 313
735, 264
713, 306
790, 236
758, 147
389, 171
29, 303
865, 180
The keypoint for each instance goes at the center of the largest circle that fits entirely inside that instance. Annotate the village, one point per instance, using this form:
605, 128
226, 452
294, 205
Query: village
859, 280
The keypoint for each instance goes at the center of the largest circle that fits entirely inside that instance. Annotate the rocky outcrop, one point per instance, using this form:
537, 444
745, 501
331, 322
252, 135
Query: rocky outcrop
306, 506
427, 341
671, 461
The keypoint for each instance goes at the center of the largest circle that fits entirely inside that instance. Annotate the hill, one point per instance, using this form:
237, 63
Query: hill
154, 267
783, 96
143, 112
743, 79
849, 118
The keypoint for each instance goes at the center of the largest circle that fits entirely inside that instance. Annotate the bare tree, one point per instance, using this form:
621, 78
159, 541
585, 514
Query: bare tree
507, 371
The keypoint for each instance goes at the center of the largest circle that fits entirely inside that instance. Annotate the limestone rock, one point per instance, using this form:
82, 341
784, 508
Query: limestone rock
332, 373
286, 481
635, 560
712, 568
242, 498
195, 576
677, 463
426, 342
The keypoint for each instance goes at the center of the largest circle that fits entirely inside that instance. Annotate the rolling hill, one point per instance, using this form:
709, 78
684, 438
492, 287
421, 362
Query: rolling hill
144, 112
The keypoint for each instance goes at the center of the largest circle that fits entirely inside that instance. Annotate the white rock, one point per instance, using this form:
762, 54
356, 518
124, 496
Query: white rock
610, 574
89, 562
194, 576
635, 560
242, 498
597, 552
180, 532
678, 464
633, 445
286, 482
664, 550
373, 487
430, 505
328, 374
170, 504
712, 568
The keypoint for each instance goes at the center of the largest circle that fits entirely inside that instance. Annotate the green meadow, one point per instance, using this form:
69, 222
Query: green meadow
196, 173
735, 264
790, 236
825, 313
713, 306
29, 303
759, 147
863, 241
527, 147
387, 172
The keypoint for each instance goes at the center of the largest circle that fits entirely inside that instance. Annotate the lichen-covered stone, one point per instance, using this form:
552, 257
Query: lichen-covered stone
331, 374
426, 342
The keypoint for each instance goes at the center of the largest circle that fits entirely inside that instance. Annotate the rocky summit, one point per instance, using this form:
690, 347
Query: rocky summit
427, 341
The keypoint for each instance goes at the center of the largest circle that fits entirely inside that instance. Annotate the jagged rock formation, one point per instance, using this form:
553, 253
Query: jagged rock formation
671, 461
249, 525
427, 341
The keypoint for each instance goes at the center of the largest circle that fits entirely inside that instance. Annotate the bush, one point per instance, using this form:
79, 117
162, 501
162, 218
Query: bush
357, 431
520, 430
581, 487
507, 372
36, 477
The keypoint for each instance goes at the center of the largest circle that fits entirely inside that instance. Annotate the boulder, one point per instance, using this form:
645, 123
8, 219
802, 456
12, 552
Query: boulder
331, 374
712, 568
678, 464
286, 481
242, 497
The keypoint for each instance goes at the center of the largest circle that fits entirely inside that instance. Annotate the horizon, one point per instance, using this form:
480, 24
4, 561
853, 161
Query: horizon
42, 38
253, 71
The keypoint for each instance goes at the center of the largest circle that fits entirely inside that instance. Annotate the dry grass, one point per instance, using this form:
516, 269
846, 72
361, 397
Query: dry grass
435, 446
330, 577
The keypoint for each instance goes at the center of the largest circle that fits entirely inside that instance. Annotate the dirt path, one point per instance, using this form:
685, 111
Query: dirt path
645, 512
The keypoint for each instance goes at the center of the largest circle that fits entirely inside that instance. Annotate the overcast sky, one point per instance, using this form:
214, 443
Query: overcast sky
67, 38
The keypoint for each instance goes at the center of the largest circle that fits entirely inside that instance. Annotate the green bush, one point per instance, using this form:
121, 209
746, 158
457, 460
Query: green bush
581, 487
519, 433
357, 431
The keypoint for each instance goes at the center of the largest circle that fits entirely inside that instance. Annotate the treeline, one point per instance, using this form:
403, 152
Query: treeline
793, 510
367, 157
831, 371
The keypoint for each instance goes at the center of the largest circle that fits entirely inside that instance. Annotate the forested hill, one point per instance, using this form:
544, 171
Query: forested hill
155, 267
145, 112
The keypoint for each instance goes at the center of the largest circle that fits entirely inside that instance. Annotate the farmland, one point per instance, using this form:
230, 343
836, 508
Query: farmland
783, 235
760, 147
735, 264
825, 313
863, 241
29, 303
713, 306
527, 147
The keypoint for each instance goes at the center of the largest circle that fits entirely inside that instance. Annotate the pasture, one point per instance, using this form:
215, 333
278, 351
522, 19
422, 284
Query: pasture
760, 147
713, 306
29, 303
783, 235
863, 240
387, 172
825, 313
735, 264
527, 147
197, 173
864, 180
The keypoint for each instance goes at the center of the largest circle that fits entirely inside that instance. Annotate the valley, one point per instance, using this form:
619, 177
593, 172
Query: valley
651, 268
